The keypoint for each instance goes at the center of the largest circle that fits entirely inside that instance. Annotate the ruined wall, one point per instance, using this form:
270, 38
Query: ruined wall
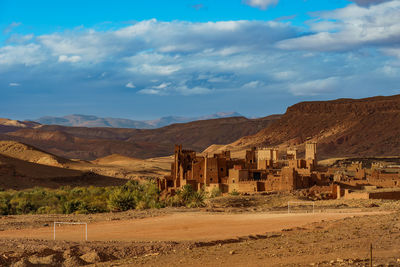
385, 195
355, 195
384, 179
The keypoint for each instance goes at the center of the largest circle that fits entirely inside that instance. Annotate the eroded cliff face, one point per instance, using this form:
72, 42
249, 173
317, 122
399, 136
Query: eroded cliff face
343, 127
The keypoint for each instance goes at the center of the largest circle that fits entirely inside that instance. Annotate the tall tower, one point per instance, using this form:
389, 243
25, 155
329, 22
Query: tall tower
311, 151
177, 164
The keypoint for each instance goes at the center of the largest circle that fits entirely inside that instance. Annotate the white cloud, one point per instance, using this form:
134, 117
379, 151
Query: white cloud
186, 58
262, 4
253, 84
29, 54
70, 59
393, 51
349, 28
14, 84
19, 38
284, 75
390, 71
11, 27
130, 85
314, 87
167, 88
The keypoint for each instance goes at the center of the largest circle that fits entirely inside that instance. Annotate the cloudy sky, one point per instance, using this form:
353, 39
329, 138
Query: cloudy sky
146, 59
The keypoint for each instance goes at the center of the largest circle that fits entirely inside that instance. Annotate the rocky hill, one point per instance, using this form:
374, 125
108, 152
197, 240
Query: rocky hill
23, 166
343, 127
91, 143
30, 154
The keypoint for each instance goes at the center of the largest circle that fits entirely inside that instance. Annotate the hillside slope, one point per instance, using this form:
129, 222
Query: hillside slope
343, 127
91, 143
30, 154
21, 174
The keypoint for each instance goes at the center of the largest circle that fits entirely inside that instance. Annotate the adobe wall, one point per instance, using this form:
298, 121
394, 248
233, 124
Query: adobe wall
211, 174
222, 169
385, 195
237, 175
249, 187
355, 195
198, 171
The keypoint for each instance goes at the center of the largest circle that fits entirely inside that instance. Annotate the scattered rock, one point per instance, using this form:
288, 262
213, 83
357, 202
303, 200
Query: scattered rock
232, 252
93, 257
54, 259
24, 262
73, 261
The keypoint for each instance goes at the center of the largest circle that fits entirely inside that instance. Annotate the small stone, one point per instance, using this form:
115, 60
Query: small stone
232, 252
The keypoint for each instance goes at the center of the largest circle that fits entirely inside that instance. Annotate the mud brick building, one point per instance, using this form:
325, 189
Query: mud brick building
261, 170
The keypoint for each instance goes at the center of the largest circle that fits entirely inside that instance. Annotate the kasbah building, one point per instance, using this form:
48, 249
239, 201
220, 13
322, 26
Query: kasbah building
265, 170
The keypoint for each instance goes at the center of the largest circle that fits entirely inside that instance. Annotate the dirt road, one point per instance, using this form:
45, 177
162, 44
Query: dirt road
190, 226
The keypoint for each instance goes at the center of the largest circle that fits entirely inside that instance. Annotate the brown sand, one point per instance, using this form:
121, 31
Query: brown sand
181, 226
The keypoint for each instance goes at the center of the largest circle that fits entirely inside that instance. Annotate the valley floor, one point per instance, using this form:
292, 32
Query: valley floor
338, 234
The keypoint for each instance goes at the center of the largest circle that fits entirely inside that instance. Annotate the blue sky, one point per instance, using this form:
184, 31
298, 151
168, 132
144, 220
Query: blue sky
147, 59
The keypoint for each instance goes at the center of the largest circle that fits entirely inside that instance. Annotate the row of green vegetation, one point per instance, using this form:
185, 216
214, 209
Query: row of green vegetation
67, 200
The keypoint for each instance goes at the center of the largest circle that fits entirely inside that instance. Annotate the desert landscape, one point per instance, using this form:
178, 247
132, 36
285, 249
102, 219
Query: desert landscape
199, 133
331, 218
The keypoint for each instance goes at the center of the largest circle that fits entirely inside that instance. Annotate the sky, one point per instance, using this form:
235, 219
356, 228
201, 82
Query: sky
148, 59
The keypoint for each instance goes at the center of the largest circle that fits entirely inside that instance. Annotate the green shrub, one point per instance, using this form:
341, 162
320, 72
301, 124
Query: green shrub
4, 207
121, 200
186, 196
71, 206
234, 193
215, 192
81, 199
197, 199
22, 206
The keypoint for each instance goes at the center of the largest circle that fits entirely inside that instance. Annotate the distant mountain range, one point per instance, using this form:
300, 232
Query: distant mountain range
79, 120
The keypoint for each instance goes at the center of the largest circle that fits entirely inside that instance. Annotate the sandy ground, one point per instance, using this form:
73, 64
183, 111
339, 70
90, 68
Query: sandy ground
189, 226
339, 238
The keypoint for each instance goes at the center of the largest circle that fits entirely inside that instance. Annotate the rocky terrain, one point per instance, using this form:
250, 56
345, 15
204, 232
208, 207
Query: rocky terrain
92, 143
343, 127
342, 242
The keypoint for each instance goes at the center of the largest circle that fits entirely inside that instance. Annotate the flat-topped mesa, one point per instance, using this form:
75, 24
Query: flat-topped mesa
366, 105
260, 170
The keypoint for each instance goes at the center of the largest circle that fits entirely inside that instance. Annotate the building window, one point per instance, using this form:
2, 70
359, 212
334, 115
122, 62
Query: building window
210, 179
222, 169
233, 181
201, 175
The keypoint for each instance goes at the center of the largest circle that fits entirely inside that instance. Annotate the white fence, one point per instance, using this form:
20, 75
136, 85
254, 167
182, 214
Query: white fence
72, 223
